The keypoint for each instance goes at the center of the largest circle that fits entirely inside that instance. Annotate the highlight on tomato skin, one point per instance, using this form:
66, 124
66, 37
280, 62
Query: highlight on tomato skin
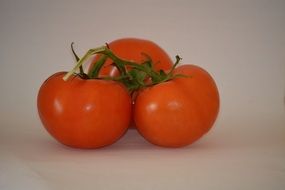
137, 50
84, 113
178, 112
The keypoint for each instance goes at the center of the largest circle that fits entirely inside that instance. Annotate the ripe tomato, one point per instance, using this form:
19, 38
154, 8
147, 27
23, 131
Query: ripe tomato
134, 49
84, 113
180, 111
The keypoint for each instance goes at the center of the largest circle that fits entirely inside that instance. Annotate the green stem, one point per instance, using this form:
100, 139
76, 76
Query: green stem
134, 78
178, 59
89, 53
121, 65
75, 55
97, 67
81, 71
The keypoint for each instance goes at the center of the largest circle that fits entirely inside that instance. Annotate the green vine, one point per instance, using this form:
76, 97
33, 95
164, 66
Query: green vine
134, 78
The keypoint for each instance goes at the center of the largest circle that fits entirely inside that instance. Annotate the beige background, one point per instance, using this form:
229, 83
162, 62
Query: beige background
241, 43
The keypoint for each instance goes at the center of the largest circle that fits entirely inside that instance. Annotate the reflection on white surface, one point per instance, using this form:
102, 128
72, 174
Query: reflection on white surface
15, 174
223, 159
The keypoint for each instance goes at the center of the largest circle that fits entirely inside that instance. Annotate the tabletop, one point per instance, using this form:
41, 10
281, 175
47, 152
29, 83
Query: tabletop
240, 43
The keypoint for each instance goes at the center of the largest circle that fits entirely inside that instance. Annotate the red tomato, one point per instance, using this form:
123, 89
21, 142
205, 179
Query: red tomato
84, 113
178, 112
133, 49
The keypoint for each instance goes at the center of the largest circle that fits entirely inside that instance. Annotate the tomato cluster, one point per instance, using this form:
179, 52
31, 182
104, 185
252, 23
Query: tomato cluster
129, 80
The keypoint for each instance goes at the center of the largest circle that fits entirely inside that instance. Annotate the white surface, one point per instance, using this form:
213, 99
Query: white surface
241, 43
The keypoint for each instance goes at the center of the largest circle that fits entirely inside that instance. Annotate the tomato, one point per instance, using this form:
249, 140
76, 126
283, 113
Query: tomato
178, 112
84, 113
134, 49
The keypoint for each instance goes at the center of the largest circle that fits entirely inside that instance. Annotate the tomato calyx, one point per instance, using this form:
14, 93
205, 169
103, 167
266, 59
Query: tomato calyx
137, 76
163, 76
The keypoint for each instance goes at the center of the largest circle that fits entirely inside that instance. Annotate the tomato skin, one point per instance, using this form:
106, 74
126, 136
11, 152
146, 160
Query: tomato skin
132, 49
84, 113
176, 113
